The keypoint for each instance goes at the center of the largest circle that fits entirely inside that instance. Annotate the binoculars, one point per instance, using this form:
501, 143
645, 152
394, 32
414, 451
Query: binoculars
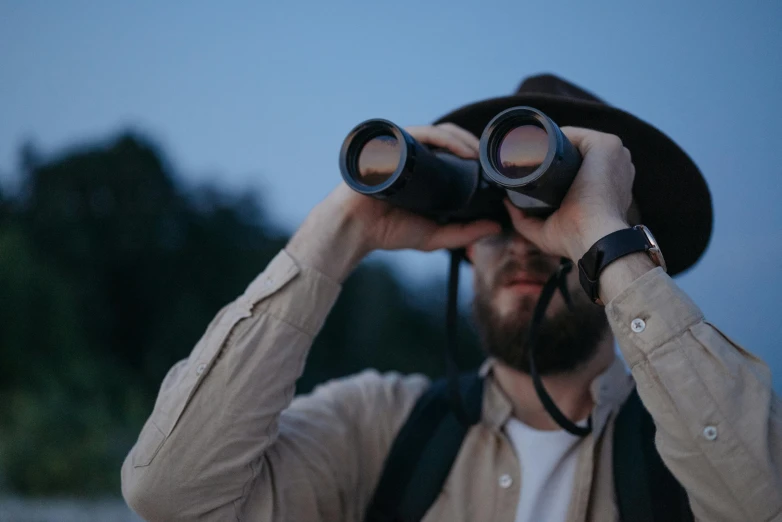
523, 155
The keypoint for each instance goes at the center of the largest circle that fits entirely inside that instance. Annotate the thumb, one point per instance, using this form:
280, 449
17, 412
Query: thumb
529, 227
458, 235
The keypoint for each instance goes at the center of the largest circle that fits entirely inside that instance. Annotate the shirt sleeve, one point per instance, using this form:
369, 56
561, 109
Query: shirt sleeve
226, 439
719, 428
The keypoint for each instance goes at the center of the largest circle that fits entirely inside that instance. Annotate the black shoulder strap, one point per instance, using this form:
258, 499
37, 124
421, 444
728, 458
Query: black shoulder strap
646, 491
423, 452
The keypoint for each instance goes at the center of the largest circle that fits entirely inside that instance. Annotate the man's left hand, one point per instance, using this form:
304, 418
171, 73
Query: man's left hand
596, 204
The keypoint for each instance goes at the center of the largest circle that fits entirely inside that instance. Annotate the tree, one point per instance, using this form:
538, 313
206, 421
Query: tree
110, 271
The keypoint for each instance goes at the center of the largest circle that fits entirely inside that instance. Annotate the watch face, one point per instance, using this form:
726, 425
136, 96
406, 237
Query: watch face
649, 236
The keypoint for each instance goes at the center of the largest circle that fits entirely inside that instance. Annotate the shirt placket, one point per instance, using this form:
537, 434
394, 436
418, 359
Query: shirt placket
508, 485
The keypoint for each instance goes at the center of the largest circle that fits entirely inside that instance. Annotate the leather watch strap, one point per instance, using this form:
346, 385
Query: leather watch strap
604, 252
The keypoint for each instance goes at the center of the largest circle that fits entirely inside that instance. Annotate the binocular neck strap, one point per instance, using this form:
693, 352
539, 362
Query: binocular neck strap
451, 327
558, 281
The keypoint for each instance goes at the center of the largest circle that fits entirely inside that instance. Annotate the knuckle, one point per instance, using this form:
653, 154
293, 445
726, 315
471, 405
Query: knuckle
428, 134
417, 131
576, 131
421, 129
613, 141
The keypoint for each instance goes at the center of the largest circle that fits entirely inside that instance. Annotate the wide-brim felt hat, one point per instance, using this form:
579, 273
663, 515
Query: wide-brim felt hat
669, 189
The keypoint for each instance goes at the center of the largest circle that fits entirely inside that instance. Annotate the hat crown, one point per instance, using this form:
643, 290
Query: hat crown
554, 85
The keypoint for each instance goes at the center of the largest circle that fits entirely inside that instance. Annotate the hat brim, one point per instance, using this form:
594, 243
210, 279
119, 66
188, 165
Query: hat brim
669, 189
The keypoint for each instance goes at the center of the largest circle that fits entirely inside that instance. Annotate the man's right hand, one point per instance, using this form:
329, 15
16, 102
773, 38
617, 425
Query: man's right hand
346, 226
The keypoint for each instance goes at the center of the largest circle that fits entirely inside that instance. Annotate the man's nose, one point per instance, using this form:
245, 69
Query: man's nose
518, 245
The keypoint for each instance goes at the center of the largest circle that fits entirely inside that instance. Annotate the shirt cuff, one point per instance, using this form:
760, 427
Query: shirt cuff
649, 313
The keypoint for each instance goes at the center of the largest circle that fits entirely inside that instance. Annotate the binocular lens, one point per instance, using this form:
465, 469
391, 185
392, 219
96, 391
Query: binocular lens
379, 159
521, 151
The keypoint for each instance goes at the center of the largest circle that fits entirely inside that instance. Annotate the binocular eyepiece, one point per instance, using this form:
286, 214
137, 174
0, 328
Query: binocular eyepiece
523, 155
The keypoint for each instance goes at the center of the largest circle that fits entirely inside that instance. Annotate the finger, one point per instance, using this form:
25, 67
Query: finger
529, 227
439, 137
458, 235
586, 139
464, 135
467, 143
579, 136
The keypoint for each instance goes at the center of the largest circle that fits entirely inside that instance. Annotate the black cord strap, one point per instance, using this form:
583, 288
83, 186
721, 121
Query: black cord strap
558, 281
451, 331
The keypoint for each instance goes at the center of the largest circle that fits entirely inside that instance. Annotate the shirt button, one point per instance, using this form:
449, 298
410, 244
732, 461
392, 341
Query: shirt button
505, 481
638, 325
200, 369
268, 282
710, 432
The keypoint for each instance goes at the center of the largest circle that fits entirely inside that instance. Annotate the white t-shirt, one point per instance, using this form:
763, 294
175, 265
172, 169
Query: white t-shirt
548, 468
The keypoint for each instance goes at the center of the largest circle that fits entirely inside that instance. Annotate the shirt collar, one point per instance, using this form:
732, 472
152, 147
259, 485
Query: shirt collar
609, 390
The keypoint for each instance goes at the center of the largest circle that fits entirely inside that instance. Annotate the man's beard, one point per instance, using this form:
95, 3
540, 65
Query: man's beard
565, 340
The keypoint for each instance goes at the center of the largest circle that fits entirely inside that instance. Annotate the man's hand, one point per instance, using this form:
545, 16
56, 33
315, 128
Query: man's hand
346, 225
596, 204
392, 228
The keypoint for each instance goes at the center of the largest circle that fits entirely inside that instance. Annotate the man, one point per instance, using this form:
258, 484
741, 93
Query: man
228, 441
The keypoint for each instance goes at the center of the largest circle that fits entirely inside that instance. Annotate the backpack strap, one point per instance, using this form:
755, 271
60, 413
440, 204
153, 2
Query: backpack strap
426, 447
423, 452
646, 491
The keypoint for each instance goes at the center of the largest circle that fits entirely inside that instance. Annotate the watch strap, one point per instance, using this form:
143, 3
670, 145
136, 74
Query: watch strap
604, 252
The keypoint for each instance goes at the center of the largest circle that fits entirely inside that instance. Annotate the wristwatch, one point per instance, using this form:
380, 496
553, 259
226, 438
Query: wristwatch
612, 247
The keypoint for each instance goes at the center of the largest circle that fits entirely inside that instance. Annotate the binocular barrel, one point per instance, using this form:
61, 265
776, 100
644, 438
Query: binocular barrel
523, 154
382, 160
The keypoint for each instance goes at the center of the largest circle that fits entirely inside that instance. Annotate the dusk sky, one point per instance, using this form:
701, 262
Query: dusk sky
379, 155
524, 146
258, 96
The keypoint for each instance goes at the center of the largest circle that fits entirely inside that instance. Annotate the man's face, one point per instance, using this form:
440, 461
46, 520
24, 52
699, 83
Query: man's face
509, 275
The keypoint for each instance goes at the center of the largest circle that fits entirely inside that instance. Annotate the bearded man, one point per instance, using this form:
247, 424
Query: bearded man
227, 440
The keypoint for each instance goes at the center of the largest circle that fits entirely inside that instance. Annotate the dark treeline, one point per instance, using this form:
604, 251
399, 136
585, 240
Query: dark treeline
111, 269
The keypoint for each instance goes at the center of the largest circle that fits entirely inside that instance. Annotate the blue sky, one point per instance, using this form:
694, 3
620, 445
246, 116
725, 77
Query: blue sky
258, 96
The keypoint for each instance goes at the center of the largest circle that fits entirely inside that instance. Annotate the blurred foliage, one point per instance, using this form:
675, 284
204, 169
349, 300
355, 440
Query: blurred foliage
110, 271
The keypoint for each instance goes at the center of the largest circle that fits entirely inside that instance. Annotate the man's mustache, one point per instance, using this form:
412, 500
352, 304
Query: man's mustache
535, 269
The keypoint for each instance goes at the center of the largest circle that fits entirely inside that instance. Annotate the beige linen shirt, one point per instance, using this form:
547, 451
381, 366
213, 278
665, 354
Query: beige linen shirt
228, 441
